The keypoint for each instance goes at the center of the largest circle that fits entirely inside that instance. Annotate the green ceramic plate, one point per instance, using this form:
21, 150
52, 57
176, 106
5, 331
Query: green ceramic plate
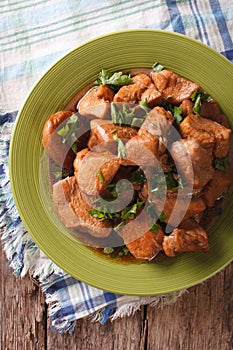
136, 48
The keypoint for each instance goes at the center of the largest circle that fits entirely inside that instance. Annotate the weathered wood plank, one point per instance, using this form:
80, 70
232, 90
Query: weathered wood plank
122, 334
22, 311
200, 319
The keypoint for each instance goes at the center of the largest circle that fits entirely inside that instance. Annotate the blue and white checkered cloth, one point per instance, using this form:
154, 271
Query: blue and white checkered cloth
34, 34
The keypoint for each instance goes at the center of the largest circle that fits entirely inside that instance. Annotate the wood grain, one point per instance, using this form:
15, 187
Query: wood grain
22, 312
200, 319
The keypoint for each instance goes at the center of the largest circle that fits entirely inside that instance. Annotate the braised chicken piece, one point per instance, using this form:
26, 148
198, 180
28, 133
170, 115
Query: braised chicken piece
187, 107
54, 146
188, 237
132, 93
146, 147
152, 96
211, 135
193, 162
177, 209
102, 134
141, 242
211, 110
96, 103
147, 246
217, 186
95, 170
173, 87
73, 209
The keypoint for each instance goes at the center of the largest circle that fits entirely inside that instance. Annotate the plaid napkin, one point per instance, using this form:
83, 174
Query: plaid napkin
33, 36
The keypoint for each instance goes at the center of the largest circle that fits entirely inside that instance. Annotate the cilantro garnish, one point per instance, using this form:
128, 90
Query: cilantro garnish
131, 211
101, 176
69, 130
157, 67
155, 228
198, 97
177, 114
138, 177
121, 147
102, 214
113, 79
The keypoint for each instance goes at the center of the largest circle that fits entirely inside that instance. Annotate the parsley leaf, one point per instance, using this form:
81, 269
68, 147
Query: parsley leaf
138, 177
68, 131
177, 114
121, 147
101, 176
131, 211
175, 111
155, 228
108, 250
198, 97
113, 79
157, 67
144, 105
101, 214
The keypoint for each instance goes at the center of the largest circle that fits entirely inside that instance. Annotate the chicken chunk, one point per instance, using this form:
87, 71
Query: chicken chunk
187, 107
216, 187
95, 170
211, 135
102, 133
179, 208
96, 103
73, 209
53, 143
152, 96
146, 147
147, 246
173, 87
132, 93
193, 162
188, 237
211, 110
141, 242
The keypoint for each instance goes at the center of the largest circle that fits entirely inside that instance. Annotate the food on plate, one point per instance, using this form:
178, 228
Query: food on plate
138, 161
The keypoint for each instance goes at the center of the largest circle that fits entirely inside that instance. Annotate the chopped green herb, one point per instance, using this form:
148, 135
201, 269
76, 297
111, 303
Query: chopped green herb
138, 177
221, 163
162, 182
198, 97
119, 226
162, 216
122, 115
101, 176
68, 132
177, 114
171, 183
100, 214
131, 211
144, 105
119, 252
74, 147
108, 250
113, 79
154, 228
157, 67
121, 147
137, 122
113, 131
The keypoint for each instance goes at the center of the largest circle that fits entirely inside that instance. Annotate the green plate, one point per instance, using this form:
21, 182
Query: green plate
116, 51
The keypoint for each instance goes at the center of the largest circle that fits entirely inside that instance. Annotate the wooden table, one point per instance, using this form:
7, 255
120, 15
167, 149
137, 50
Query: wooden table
201, 319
